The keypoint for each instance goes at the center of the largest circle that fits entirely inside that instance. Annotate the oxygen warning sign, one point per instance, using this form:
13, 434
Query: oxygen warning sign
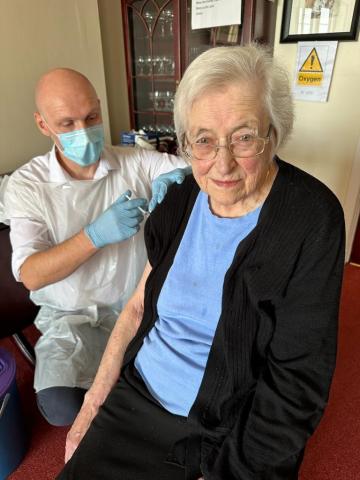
314, 66
311, 72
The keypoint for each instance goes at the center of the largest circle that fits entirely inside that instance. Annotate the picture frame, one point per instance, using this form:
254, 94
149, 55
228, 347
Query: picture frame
307, 20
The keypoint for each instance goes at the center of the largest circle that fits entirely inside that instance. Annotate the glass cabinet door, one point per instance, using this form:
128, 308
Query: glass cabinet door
199, 40
154, 62
160, 44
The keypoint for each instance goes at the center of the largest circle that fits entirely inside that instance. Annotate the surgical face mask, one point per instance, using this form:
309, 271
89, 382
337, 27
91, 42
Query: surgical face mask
83, 146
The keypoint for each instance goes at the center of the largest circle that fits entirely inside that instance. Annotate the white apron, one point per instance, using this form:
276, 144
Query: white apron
78, 313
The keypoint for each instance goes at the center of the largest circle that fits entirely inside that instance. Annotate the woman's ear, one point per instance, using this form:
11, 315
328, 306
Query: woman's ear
273, 139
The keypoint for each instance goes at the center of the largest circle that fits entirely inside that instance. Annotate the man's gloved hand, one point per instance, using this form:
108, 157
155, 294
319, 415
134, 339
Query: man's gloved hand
119, 222
162, 182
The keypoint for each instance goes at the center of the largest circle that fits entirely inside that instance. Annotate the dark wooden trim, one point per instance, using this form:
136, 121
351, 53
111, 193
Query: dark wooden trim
285, 37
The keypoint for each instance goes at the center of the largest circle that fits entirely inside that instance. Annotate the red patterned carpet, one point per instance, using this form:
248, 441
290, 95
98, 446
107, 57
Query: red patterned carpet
332, 453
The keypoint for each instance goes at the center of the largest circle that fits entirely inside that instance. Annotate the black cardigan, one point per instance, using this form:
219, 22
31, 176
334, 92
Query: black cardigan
268, 375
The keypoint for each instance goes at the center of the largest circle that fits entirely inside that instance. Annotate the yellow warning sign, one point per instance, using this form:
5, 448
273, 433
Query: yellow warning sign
312, 63
311, 72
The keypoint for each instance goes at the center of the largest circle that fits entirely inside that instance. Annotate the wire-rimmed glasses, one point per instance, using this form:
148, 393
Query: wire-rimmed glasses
246, 145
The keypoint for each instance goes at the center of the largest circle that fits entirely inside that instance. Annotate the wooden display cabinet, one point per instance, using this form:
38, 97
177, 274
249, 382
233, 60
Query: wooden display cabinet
160, 43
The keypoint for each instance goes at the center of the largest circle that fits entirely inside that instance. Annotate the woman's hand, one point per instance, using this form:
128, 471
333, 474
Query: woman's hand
88, 411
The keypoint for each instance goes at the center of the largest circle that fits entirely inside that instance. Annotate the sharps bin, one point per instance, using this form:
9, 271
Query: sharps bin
13, 441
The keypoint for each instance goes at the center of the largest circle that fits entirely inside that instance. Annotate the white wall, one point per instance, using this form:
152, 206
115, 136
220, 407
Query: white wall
326, 135
112, 37
36, 35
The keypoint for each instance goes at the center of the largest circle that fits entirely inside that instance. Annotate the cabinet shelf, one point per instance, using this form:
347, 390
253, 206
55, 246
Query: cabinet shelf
157, 112
157, 77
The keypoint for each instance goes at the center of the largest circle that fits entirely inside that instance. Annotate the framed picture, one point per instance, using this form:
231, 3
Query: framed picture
306, 20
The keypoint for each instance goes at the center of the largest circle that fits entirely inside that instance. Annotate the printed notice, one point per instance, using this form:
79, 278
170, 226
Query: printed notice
314, 67
215, 13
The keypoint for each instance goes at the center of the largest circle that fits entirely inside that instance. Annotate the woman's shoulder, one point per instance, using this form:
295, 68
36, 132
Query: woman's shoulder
176, 206
169, 218
179, 197
184, 188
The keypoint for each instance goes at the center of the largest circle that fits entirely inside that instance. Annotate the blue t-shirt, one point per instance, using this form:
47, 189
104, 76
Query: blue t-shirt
173, 356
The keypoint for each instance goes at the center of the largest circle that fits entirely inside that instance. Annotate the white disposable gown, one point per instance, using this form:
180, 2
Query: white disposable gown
78, 313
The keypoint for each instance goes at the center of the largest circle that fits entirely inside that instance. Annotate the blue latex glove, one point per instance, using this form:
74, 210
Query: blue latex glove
161, 184
119, 222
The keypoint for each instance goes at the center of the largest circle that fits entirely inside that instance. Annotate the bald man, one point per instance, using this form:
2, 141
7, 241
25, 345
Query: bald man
76, 230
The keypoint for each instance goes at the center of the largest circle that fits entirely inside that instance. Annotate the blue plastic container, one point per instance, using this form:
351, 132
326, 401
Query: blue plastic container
13, 440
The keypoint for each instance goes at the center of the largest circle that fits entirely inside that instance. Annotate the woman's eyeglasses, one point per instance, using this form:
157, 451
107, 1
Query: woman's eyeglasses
245, 145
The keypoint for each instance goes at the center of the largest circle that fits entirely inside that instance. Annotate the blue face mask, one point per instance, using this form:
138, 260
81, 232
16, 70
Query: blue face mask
83, 146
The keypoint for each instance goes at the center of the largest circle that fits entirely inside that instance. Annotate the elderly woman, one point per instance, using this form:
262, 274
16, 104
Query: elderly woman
227, 351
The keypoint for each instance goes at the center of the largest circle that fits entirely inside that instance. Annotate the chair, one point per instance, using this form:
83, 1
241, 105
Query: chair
16, 309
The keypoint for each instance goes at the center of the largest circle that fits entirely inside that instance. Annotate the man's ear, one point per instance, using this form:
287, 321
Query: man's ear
40, 123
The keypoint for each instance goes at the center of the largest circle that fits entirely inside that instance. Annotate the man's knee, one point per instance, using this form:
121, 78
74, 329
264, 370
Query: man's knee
60, 405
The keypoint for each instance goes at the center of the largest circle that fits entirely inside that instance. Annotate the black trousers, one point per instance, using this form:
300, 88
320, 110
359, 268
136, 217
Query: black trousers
130, 438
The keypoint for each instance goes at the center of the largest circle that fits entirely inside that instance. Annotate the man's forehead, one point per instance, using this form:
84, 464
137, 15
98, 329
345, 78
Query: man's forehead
60, 110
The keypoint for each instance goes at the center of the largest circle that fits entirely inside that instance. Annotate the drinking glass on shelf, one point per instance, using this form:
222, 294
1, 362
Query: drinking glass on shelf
162, 65
160, 100
155, 64
157, 96
148, 128
169, 65
169, 100
149, 64
172, 66
139, 65
162, 23
148, 16
169, 15
169, 130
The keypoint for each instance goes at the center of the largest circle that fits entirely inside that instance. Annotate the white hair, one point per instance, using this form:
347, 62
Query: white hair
221, 66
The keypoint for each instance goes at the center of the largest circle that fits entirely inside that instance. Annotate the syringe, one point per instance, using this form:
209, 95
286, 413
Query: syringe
139, 208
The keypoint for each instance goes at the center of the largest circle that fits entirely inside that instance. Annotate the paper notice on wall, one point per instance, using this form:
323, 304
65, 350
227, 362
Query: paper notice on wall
215, 13
314, 67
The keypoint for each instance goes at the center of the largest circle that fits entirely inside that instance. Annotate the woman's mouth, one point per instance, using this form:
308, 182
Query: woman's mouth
226, 183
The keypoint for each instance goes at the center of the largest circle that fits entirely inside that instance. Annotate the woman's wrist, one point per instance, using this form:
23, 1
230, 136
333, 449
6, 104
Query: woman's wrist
96, 395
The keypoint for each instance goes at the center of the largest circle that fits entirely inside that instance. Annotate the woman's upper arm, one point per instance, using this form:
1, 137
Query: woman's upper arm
136, 302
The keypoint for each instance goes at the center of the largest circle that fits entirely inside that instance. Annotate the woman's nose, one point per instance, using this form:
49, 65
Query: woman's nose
225, 161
